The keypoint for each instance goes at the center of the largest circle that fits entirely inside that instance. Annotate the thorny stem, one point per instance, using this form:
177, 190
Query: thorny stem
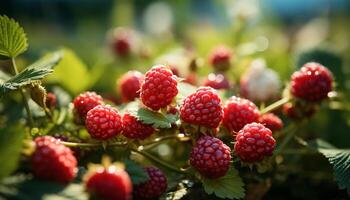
275, 105
25, 99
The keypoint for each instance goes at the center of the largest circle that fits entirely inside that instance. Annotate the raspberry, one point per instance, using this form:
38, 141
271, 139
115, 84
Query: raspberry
51, 100
220, 58
174, 70
130, 84
134, 129
53, 161
271, 121
239, 112
254, 142
211, 157
110, 183
217, 81
103, 122
85, 102
121, 39
155, 187
202, 108
159, 87
312, 82
296, 111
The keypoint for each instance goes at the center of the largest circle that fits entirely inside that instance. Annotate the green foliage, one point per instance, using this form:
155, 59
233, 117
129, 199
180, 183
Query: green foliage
136, 172
158, 120
185, 89
36, 71
13, 40
11, 138
3, 77
229, 186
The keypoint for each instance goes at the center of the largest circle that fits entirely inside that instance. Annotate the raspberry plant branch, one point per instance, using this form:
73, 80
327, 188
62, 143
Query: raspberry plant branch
160, 140
87, 145
275, 105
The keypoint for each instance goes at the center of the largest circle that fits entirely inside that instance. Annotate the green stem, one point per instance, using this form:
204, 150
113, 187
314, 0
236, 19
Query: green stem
25, 99
275, 105
160, 140
87, 145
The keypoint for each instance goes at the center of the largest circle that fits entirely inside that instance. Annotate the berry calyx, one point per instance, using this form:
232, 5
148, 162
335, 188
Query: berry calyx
271, 121
217, 81
53, 161
130, 84
220, 58
154, 187
103, 122
134, 129
238, 112
312, 82
85, 102
158, 88
211, 157
202, 108
254, 142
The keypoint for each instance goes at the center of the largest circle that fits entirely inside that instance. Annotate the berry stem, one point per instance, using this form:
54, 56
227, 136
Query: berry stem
160, 140
275, 105
75, 144
25, 99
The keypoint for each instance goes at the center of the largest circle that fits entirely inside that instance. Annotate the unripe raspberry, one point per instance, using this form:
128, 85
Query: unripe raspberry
238, 112
158, 88
220, 58
109, 183
312, 82
202, 108
259, 83
103, 122
155, 187
51, 100
211, 157
217, 81
134, 129
85, 102
130, 84
254, 142
271, 121
53, 161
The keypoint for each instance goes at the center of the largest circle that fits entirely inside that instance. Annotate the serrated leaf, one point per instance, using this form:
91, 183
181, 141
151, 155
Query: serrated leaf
229, 186
136, 172
11, 138
13, 40
158, 120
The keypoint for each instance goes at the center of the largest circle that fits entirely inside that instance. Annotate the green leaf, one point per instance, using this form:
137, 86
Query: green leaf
71, 73
185, 90
136, 172
158, 120
36, 71
13, 40
229, 186
11, 138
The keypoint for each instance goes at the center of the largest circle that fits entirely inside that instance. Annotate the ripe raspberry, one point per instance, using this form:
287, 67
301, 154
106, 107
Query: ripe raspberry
158, 88
211, 157
239, 112
220, 58
217, 81
85, 102
202, 108
271, 121
254, 142
130, 84
312, 82
121, 41
134, 129
51, 100
155, 187
53, 161
110, 184
103, 122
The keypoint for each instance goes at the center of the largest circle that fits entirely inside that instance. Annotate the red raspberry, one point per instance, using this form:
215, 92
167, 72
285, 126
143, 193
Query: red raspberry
53, 161
254, 142
159, 87
130, 84
155, 187
174, 70
110, 184
211, 157
271, 121
220, 58
85, 102
134, 129
239, 112
103, 122
202, 108
51, 100
312, 82
121, 40
217, 81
